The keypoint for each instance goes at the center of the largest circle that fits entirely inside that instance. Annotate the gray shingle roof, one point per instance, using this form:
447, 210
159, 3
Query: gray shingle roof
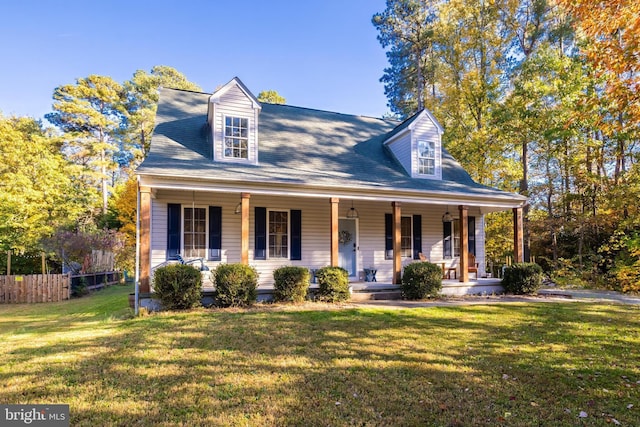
296, 146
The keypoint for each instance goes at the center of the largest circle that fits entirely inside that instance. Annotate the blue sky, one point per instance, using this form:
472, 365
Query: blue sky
318, 54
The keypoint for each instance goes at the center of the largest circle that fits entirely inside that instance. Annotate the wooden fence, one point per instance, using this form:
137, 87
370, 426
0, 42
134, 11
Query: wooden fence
34, 288
95, 281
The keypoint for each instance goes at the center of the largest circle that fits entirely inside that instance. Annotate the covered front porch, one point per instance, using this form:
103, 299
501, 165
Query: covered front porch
269, 228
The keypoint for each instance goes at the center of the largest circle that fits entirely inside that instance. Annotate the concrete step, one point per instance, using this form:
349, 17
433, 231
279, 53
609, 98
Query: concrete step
376, 295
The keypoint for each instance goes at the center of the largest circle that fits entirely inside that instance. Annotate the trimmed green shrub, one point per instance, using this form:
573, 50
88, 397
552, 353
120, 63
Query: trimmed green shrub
178, 286
236, 285
333, 284
522, 278
421, 280
290, 284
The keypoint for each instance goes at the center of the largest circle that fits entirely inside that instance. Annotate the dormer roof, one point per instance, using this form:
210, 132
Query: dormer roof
410, 123
217, 95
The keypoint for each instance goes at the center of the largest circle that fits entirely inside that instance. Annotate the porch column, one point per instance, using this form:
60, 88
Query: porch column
244, 245
145, 238
517, 235
334, 231
397, 244
464, 243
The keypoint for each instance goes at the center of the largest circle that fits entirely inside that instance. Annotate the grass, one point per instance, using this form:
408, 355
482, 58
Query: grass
525, 364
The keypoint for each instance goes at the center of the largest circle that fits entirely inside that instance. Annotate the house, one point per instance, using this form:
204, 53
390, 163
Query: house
229, 179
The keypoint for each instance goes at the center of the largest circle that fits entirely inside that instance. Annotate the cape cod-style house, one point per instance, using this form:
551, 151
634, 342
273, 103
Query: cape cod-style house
229, 179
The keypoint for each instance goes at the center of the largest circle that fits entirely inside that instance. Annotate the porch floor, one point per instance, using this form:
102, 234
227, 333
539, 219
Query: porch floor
450, 287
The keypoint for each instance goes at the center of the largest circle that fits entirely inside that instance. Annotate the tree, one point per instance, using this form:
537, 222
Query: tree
271, 97
407, 28
124, 205
39, 189
142, 93
90, 113
611, 30
75, 248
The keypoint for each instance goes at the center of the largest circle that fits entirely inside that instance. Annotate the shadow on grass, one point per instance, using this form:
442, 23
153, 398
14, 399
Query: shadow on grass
528, 364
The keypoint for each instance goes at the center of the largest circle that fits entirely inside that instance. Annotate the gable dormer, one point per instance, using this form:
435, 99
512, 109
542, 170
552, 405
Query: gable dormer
233, 120
417, 145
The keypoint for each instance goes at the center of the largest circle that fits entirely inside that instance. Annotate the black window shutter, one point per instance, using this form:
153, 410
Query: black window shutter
471, 222
388, 236
446, 239
173, 230
215, 233
417, 236
261, 233
296, 235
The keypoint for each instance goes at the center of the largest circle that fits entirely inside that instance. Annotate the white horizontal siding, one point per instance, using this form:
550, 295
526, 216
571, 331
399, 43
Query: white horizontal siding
158, 232
401, 149
316, 217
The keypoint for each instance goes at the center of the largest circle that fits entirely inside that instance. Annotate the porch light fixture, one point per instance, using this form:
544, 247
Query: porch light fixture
238, 209
447, 217
352, 213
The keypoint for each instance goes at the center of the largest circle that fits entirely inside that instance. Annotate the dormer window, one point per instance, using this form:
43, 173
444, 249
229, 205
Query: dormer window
426, 158
236, 137
233, 119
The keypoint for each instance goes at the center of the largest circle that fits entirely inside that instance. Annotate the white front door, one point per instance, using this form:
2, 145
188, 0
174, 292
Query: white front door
348, 245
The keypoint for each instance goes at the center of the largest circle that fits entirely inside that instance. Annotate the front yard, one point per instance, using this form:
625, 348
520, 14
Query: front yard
511, 364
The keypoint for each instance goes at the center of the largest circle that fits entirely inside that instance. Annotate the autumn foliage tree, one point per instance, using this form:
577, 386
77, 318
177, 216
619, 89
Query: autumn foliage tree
39, 189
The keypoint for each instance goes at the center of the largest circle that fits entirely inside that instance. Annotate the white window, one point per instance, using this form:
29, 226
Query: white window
194, 232
456, 238
236, 137
406, 237
426, 158
278, 234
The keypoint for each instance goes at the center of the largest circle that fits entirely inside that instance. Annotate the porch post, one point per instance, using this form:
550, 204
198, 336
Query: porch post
334, 231
244, 246
397, 245
145, 238
517, 235
464, 243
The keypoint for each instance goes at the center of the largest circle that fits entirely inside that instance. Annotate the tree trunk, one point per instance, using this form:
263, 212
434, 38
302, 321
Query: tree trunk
524, 190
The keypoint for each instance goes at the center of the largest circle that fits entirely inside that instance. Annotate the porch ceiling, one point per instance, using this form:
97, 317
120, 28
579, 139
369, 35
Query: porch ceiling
487, 203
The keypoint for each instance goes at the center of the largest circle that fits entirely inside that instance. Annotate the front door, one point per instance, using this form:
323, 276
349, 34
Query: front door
348, 245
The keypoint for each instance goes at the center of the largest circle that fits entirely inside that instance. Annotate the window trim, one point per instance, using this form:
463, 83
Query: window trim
206, 232
455, 237
224, 137
388, 235
268, 223
410, 237
426, 141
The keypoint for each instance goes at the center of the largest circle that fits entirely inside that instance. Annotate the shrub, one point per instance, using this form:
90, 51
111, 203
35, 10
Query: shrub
290, 284
80, 288
421, 280
522, 278
333, 284
236, 285
627, 277
178, 286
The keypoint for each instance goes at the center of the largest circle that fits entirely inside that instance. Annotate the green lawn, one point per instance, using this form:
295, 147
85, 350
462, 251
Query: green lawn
534, 364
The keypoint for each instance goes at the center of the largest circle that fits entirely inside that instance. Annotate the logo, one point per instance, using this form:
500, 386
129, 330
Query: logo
34, 415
